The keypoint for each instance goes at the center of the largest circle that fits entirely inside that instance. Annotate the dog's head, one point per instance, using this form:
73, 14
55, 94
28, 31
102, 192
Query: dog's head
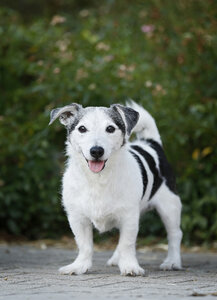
96, 132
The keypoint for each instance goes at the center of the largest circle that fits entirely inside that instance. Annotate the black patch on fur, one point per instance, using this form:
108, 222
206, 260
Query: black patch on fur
72, 126
143, 172
117, 119
152, 166
131, 116
76, 120
165, 168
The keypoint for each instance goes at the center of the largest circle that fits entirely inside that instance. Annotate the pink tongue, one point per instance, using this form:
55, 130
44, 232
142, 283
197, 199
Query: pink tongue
96, 166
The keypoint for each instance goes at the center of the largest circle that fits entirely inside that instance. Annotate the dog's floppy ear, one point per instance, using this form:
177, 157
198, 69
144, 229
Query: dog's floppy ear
130, 116
65, 114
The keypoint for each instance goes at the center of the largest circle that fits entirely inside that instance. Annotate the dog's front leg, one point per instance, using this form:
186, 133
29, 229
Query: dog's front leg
126, 248
82, 230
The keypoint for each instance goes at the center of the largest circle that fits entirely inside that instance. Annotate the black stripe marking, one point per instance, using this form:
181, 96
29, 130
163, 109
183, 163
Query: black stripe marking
117, 119
73, 125
152, 166
143, 171
165, 168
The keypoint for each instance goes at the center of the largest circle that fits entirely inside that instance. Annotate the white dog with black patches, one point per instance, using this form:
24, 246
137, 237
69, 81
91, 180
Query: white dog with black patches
109, 182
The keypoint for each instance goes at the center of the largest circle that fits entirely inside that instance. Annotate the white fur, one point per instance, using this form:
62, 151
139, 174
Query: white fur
146, 127
112, 198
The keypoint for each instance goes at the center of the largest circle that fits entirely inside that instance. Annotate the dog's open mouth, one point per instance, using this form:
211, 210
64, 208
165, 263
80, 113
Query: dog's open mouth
96, 166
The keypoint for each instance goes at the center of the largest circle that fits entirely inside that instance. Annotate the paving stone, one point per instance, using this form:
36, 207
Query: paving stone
29, 273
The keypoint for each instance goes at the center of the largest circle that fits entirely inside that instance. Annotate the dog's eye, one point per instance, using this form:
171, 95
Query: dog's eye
110, 129
82, 129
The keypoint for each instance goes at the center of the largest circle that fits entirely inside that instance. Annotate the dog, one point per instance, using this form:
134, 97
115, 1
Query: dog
109, 182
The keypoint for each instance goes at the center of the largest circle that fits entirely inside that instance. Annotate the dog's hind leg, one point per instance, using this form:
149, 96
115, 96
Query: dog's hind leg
82, 230
168, 206
113, 261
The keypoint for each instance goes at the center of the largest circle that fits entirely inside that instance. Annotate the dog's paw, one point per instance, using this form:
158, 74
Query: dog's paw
168, 265
113, 261
132, 270
76, 268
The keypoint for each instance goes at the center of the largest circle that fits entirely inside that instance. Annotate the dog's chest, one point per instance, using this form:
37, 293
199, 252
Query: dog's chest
100, 201
100, 209
104, 223
101, 214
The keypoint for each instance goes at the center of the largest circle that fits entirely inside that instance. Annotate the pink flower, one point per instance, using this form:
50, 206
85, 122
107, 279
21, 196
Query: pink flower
147, 28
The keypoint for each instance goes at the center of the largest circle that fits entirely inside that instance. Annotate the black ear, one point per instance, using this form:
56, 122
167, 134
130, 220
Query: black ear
129, 116
65, 114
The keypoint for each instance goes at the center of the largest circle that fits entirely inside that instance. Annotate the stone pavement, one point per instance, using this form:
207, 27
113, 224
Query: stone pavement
31, 273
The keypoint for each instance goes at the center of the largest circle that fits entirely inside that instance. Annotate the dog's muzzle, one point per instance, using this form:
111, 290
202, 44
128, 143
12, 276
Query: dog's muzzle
96, 165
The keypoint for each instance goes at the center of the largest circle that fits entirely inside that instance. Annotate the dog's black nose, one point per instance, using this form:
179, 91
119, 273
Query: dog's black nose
96, 152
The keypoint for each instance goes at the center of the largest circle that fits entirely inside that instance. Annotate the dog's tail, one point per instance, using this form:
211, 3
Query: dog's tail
146, 127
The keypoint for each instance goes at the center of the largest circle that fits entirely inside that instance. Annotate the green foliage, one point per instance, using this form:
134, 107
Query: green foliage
160, 53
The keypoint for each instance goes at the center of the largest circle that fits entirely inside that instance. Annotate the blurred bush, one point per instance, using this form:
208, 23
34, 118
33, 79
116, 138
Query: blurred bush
160, 53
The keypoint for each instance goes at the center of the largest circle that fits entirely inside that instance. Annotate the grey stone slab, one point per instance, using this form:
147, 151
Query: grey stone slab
31, 273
